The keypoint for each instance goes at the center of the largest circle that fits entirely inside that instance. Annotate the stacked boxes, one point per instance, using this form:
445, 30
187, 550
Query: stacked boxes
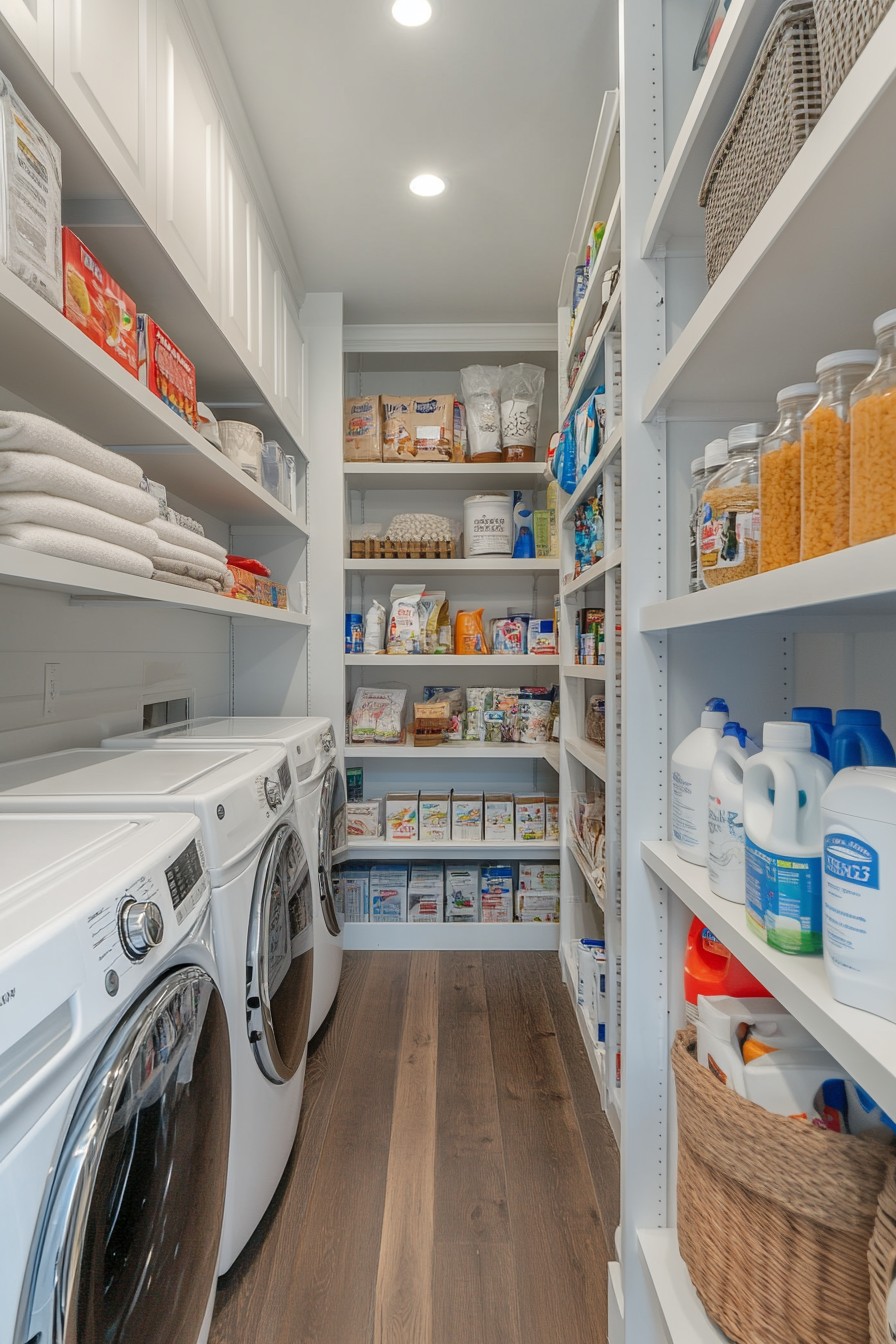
454, 893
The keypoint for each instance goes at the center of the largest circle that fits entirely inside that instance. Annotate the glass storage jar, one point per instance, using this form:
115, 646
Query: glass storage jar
824, 464
729, 542
779, 479
872, 494
702, 468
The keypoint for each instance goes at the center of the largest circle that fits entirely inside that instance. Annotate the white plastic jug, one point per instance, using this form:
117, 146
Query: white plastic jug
783, 787
691, 765
726, 813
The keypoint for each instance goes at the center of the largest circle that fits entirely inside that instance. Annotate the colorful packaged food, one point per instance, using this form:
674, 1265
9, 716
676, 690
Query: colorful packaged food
257, 588
165, 370
362, 429
97, 304
398, 430
433, 427
403, 816
30, 198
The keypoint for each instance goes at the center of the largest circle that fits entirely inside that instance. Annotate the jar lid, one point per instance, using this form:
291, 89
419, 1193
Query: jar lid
884, 322
847, 359
697, 465
742, 435
716, 454
797, 390
787, 736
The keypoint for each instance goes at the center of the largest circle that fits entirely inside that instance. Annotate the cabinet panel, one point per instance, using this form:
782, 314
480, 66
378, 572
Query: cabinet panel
238, 263
32, 23
269, 314
105, 67
292, 366
189, 148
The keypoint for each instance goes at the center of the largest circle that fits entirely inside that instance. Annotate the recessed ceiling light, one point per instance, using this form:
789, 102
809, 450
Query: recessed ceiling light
412, 13
427, 184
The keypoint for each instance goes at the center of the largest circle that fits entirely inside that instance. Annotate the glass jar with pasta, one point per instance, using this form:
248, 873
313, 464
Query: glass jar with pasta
824, 462
730, 525
872, 495
779, 479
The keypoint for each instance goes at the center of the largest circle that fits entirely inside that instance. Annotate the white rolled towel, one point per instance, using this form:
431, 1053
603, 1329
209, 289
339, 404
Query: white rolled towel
184, 581
176, 535
185, 556
68, 514
211, 570
53, 476
71, 546
23, 432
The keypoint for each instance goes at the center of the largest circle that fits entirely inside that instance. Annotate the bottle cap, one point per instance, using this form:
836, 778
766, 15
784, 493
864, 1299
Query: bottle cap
884, 322
787, 736
858, 718
813, 714
697, 465
847, 358
797, 390
716, 454
733, 729
742, 435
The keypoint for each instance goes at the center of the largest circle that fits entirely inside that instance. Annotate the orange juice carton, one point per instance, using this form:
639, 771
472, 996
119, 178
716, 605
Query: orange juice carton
93, 301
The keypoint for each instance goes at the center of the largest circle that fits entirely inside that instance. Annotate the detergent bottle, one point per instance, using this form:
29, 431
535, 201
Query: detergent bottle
691, 765
783, 787
821, 721
710, 969
726, 813
858, 739
524, 539
469, 634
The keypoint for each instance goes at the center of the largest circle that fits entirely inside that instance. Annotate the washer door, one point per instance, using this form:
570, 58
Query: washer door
330, 834
127, 1245
280, 956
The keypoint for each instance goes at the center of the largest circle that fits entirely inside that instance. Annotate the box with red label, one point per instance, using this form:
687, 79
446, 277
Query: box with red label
94, 302
253, 588
165, 369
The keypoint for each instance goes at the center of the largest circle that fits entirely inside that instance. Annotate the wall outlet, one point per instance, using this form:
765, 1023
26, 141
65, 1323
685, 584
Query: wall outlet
51, 688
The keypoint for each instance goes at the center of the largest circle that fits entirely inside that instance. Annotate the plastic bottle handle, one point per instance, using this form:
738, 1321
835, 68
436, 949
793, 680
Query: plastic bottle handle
788, 811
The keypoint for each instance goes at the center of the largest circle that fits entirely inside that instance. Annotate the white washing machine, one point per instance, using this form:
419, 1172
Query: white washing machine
115, 1089
262, 910
320, 811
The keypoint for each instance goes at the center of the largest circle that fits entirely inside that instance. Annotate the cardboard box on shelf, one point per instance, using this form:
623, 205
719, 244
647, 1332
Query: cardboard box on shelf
31, 199
496, 893
255, 588
529, 812
354, 894
539, 877
498, 817
426, 893
461, 894
552, 818
97, 304
435, 817
433, 424
165, 370
402, 816
388, 893
364, 819
466, 817
538, 907
362, 429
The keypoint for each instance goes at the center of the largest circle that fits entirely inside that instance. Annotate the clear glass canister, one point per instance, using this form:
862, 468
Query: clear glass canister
825, 453
779, 479
729, 542
872, 495
699, 477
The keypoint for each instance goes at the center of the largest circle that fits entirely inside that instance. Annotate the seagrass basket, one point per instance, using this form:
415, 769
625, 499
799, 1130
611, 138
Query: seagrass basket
844, 27
882, 1262
777, 110
775, 1216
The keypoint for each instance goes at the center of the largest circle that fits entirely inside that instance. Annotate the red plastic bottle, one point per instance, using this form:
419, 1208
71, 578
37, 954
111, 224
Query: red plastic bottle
709, 968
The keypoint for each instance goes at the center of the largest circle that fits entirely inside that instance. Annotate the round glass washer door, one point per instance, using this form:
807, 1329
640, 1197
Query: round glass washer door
330, 835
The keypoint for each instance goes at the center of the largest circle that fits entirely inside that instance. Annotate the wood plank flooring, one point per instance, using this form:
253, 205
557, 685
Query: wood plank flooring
454, 1179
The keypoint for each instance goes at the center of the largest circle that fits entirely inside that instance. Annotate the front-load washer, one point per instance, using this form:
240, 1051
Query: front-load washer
115, 1087
320, 812
262, 911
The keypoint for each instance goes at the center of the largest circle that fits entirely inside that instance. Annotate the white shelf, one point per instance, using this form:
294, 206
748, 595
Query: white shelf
552, 755
452, 937
444, 475
589, 308
676, 212
593, 573
486, 564
684, 1319
511, 751
451, 660
586, 753
864, 1044
859, 579
584, 382
768, 300
589, 480
51, 363
597, 1055
456, 849
29, 569
604, 139
584, 672
614, 1112
587, 873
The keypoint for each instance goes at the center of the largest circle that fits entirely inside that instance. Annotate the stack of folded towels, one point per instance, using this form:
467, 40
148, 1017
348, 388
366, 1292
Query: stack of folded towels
184, 556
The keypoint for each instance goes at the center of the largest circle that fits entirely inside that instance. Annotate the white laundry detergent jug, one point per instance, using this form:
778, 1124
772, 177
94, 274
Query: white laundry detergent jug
726, 813
859, 888
783, 787
691, 765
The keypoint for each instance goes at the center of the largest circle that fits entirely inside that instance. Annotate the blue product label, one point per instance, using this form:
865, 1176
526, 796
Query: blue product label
784, 899
850, 860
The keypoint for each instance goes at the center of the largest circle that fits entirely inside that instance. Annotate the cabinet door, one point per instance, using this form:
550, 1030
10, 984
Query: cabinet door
238, 259
269, 313
106, 74
32, 23
189, 150
292, 363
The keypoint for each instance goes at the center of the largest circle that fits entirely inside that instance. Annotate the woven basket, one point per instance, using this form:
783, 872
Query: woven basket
779, 106
774, 1216
882, 1260
371, 548
844, 28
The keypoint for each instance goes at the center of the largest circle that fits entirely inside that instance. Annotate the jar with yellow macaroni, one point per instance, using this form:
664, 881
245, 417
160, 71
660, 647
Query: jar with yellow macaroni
872, 499
825, 453
730, 526
779, 479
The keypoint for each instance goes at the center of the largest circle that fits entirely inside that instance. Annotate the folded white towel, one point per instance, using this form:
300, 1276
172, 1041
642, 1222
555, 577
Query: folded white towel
50, 511
71, 546
205, 572
184, 581
23, 432
165, 551
181, 536
53, 476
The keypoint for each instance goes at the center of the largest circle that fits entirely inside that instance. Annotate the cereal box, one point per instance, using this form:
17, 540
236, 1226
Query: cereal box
435, 817
388, 893
499, 816
362, 429
497, 894
530, 817
426, 893
466, 817
461, 895
94, 302
402, 816
165, 370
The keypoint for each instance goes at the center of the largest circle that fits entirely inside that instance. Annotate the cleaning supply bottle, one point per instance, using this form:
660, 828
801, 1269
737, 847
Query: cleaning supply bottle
783, 787
858, 739
469, 634
710, 969
726, 813
524, 540
691, 765
821, 721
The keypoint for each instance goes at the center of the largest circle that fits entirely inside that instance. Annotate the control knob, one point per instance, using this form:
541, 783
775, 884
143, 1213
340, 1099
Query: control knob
273, 793
140, 927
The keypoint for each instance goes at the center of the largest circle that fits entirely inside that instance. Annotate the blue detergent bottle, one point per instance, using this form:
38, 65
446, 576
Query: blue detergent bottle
821, 721
858, 739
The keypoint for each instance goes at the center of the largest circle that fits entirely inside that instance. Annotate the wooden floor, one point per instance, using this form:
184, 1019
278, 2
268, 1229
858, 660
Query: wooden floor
454, 1181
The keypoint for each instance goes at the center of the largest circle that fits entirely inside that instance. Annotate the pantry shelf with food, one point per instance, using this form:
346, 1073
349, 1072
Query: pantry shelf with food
474, 661
595, 1052
608, 452
589, 873
477, 849
511, 751
482, 565
587, 375
443, 475
592, 573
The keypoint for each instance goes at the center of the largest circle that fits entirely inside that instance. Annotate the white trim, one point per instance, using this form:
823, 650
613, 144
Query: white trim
417, 337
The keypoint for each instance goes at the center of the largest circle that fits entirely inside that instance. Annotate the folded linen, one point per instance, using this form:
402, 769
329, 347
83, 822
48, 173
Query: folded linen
68, 514
184, 581
72, 546
181, 536
23, 432
53, 476
165, 551
183, 567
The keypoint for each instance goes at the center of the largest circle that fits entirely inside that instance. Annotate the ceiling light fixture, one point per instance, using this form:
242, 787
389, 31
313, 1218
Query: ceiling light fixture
412, 13
427, 184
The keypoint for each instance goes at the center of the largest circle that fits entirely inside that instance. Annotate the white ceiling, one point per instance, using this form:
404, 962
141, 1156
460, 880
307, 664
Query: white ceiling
500, 97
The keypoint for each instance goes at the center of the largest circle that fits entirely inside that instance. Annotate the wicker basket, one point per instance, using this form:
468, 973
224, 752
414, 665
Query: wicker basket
844, 28
779, 106
774, 1216
371, 548
882, 1259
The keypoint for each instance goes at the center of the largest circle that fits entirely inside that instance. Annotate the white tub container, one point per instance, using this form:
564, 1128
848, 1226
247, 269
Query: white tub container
488, 525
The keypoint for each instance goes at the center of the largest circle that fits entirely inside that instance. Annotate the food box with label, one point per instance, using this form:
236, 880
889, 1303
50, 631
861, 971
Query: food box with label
461, 894
402, 816
165, 370
529, 817
354, 888
466, 817
264, 592
496, 893
552, 818
30, 196
97, 304
435, 818
362, 429
539, 877
364, 819
426, 893
388, 893
538, 907
498, 817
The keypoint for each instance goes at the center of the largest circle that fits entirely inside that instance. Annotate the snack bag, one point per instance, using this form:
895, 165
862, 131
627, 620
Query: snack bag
404, 620
398, 430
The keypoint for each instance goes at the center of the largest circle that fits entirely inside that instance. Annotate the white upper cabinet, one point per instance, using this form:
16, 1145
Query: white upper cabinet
105, 71
32, 23
269, 309
189, 132
292, 364
239, 281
